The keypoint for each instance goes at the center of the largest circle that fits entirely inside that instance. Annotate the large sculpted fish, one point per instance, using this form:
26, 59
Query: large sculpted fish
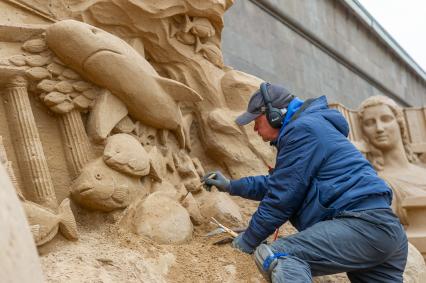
101, 188
111, 63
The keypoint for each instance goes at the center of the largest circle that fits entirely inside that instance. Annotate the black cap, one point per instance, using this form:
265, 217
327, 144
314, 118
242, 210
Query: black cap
279, 96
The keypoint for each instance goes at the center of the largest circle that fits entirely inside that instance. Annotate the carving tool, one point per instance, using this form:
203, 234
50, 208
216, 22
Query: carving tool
220, 230
226, 229
276, 234
224, 241
211, 176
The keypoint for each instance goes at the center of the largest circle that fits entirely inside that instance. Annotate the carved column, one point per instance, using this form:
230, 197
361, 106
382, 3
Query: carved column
76, 141
29, 150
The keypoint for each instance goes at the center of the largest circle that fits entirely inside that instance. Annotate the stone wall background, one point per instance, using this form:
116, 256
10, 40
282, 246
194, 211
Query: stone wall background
255, 42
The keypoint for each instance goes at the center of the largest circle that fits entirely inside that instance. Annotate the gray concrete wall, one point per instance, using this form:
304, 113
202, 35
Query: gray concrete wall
256, 42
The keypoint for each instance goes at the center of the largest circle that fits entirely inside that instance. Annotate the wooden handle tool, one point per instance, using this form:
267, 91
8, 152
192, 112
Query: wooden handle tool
227, 230
204, 181
209, 177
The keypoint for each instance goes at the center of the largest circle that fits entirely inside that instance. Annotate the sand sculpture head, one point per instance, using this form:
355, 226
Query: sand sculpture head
384, 128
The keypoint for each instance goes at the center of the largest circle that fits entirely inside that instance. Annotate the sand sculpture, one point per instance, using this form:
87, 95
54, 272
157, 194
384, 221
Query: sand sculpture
181, 40
44, 222
113, 123
392, 139
385, 130
98, 49
19, 261
31, 157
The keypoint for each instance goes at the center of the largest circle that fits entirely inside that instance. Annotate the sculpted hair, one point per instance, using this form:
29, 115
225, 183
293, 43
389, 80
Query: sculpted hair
375, 156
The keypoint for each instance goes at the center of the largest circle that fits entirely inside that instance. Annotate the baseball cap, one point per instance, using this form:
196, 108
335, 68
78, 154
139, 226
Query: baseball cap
279, 96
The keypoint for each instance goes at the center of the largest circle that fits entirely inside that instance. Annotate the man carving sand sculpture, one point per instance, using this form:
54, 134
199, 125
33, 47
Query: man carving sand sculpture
327, 190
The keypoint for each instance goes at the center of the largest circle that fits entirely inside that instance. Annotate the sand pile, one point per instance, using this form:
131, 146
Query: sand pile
106, 253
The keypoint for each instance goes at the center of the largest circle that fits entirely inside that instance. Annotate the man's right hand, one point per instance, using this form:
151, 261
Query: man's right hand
241, 245
218, 180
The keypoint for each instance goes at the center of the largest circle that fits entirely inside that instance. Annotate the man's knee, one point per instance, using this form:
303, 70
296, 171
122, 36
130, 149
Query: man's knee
281, 267
265, 260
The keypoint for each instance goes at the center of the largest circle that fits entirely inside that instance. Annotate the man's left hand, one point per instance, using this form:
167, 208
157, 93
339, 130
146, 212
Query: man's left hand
241, 245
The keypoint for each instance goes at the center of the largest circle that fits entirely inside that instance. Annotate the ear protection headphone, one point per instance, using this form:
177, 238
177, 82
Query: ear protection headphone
274, 115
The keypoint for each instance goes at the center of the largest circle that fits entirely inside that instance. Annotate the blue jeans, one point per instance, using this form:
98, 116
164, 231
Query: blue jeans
371, 246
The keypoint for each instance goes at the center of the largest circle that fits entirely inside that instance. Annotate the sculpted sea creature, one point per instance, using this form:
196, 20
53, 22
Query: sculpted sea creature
209, 51
101, 188
200, 27
45, 223
124, 153
111, 63
105, 115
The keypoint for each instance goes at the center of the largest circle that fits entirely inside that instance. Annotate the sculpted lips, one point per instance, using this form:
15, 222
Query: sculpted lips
83, 190
381, 137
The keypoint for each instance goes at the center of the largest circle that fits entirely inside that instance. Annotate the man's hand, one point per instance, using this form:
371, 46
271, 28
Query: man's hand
241, 245
218, 180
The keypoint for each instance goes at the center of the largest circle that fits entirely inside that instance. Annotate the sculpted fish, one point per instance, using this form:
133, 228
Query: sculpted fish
45, 224
113, 64
125, 154
101, 188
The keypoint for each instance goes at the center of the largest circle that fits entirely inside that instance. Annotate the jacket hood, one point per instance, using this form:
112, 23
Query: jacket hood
333, 116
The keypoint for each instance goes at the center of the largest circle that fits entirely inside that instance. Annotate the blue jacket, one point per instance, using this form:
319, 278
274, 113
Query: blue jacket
318, 173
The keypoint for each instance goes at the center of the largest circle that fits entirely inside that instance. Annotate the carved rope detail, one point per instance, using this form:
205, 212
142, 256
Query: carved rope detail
30, 152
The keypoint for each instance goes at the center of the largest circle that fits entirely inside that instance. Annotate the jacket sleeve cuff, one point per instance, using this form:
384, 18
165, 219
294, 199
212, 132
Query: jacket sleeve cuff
251, 238
235, 187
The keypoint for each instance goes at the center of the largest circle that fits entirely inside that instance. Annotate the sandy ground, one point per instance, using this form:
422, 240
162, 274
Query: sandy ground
105, 253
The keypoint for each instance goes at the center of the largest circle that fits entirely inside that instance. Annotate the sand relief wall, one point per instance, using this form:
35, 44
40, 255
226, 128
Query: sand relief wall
393, 139
135, 118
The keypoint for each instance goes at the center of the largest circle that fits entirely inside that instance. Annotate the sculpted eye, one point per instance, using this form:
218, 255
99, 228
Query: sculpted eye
387, 118
98, 176
369, 122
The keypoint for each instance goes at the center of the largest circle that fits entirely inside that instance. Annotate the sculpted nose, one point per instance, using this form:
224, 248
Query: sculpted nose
379, 127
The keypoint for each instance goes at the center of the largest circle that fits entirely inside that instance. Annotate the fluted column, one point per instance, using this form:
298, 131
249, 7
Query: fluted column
29, 150
76, 141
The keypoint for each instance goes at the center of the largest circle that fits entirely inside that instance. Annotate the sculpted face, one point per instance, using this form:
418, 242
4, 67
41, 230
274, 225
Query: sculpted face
264, 129
381, 127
